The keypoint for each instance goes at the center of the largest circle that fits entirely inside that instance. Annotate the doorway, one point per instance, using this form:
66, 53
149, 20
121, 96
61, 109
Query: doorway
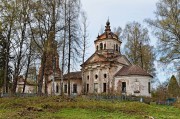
123, 87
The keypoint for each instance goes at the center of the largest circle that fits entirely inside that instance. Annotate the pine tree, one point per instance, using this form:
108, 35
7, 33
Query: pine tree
173, 87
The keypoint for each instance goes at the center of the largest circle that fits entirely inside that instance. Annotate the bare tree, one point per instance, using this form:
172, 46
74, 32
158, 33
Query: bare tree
137, 47
8, 17
84, 34
73, 39
44, 31
64, 44
29, 57
84, 27
21, 36
167, 29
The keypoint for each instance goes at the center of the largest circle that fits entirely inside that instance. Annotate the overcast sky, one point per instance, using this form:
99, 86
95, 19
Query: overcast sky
120, 12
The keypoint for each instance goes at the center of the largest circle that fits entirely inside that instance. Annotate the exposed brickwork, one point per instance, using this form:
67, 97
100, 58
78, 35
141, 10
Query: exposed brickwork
51, 56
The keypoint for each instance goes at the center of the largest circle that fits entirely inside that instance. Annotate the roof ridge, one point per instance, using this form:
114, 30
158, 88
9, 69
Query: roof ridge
132, 70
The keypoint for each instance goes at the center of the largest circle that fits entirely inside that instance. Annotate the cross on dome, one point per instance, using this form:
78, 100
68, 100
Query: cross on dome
107, 27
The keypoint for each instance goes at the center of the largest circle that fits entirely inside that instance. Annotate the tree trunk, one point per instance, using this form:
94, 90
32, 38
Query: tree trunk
64, 44
40, 80
141, 55
46, 83
69, 55
5, 84
27, 70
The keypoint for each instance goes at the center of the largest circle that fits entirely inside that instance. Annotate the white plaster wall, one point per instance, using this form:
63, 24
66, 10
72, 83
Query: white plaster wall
100, 80
50, 88
28, 88
100, 70
130, 84
74, 81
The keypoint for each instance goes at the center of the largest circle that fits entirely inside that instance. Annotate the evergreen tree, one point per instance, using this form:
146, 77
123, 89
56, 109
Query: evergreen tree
173, 87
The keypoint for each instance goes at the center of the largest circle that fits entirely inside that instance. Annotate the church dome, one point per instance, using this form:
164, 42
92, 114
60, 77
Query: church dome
108, 42
107, 34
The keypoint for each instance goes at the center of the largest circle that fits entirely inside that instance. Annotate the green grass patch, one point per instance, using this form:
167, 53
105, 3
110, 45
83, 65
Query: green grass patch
81, 108
79, 113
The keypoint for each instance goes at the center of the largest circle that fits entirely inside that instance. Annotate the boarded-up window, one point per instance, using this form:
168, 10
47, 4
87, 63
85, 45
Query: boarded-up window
137, 86
95, 87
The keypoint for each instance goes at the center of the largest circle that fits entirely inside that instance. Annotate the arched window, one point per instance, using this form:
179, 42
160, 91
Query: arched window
97, 47
96, 76
88, 77
105, 46
101, 46
116, 47
57, 88
105, 75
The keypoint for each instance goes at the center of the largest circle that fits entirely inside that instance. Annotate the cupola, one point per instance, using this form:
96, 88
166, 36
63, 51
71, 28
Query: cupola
108, 41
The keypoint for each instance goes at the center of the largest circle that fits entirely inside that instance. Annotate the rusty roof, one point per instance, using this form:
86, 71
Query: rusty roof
132, 70
74, 75
100, 59
107, 33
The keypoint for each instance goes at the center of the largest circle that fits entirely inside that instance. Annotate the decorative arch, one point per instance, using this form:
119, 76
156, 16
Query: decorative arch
97, 48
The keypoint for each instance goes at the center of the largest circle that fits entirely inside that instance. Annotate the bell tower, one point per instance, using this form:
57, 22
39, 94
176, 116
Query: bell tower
108, 43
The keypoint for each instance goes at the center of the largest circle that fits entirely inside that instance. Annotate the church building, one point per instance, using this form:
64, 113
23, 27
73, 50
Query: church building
109, 71
105, 71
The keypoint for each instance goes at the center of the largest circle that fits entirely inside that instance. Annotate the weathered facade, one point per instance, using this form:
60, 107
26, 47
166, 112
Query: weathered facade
52, 72
106, 71
31, 86
75, 83
102, 72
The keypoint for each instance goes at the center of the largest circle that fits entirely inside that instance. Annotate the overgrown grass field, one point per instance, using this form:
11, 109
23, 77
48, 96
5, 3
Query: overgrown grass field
82, 108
